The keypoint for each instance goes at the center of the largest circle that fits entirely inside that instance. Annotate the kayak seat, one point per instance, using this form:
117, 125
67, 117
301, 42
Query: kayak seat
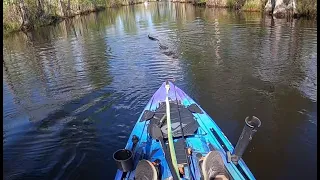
146, 171
177, 112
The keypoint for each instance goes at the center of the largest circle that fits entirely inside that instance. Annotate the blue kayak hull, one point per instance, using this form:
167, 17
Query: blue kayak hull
208, 136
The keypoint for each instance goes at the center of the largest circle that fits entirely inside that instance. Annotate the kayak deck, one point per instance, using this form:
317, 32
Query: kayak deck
202, 136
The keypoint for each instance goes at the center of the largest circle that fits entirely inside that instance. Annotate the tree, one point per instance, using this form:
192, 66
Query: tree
279, 8
26, 24
40, 10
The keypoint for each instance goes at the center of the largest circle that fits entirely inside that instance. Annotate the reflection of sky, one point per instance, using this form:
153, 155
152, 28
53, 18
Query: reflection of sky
48, 74
141, 59
217, 36
271, 62
289, 68
119, 26
77, 53
309, 84
12, 115
8, 103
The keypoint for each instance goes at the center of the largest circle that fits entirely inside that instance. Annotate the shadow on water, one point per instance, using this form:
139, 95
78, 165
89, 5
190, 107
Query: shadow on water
73, 91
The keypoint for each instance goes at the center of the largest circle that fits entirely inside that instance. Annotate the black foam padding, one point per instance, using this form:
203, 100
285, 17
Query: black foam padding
147, 115
195, 109
189, 124
180, 150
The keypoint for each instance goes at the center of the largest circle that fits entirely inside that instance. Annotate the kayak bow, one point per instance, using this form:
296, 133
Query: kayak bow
187, 126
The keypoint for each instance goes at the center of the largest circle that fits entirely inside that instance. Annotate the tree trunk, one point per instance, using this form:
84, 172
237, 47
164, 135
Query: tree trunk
62, 8
292, 7
26, 24
68, 9
280, 8
270, 6
40, 8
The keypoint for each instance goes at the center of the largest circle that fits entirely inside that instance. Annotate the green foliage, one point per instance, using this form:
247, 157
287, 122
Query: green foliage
11, 21
307, 7
10, 27
252, 5
231, 3
114, 3
50, 10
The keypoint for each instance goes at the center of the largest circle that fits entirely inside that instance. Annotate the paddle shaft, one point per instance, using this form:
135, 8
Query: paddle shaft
170, 138
168, 159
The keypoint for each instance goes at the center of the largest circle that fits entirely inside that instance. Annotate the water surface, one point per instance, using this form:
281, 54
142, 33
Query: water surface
73, 91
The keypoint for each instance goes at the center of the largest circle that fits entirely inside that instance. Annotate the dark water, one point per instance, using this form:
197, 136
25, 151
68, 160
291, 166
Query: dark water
73, 91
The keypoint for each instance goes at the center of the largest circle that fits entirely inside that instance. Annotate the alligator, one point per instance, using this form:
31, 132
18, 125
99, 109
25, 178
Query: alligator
152, 38
163, 47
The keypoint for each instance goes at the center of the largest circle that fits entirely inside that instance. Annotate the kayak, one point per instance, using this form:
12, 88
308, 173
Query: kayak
194, 134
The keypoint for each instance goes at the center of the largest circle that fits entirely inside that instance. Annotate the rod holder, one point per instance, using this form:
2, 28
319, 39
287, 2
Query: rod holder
251, 126
124, 159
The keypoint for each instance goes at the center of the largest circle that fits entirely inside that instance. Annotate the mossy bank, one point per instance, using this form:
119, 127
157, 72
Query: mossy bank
29, 14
